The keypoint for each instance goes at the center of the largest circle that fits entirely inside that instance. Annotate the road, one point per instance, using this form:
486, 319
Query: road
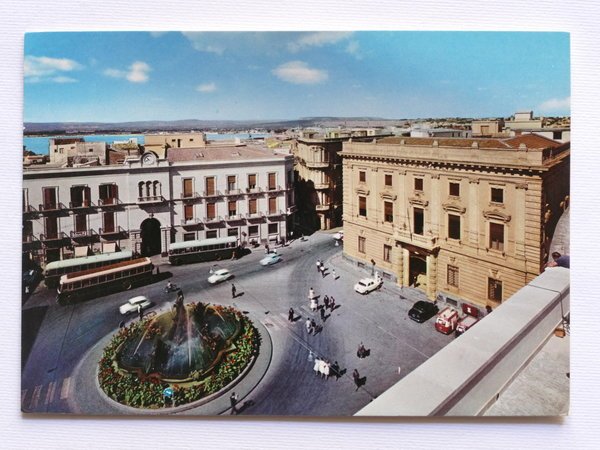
55, 338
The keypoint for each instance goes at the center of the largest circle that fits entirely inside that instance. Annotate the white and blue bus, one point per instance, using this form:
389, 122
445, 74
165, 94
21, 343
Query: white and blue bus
204, 250
54, 270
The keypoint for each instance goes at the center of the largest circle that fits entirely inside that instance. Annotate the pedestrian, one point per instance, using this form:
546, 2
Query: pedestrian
291, 314
311, 294
333, 274
233, 399
326, 302
323, 269
326, 369
313, 326
233, 290
180, 295
309, 327
332, 303
267, 249
362, 351
323, 313
140, 312
317, 366
314, 304
318, 265
356, 378
335, 369
122, 324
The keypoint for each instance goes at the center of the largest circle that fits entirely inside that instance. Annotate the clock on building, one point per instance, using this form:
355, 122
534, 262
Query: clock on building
148, 159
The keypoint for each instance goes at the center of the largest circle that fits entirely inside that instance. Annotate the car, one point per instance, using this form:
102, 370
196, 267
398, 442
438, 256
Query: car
339, 236
423, 311
271, 258
219, 276
31, 278
367, 285
132, 305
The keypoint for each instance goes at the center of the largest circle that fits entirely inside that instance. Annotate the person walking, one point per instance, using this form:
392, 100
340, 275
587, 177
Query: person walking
333, 274
317, 366
314, 304
326, 302
233, 399
140, 312
332, 303
322, 269
326, 369
313, 325
322, 309
356, 378
335, 369
291, 314
309, 327
233, 290
318, 265
311, 294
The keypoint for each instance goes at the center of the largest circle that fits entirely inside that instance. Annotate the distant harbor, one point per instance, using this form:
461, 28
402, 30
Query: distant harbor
39, 145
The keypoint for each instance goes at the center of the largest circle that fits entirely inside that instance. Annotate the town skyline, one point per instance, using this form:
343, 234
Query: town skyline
143, 76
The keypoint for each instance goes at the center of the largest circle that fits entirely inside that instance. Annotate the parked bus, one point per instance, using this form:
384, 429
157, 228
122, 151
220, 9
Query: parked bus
115, 277
205, 250
54, 270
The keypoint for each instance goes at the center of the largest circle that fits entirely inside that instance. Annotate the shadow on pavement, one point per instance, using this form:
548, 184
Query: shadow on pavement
31, 321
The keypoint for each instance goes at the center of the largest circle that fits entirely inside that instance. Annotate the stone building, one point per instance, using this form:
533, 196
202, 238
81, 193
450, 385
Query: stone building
147, 202
76, 151
460, 218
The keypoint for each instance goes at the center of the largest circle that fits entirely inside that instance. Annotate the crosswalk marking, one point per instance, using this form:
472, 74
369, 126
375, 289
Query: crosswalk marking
50, 393
64, 392
35, 398
306, 309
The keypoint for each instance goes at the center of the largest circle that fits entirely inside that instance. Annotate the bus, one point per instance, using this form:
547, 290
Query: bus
54, 270
204, 250
114, 277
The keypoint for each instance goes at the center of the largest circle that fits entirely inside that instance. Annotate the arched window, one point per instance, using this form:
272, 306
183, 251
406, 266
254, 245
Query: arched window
148, 188
156, 189
141, 189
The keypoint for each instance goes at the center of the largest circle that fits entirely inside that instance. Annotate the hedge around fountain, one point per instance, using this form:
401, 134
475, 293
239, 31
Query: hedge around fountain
147, 392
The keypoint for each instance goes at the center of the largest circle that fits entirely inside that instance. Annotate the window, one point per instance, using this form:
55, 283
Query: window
362, 206
362, 176
272, 205
273, 228
387, 253
252, 206
557, 135
497, 236
188, 212
252, 181
453, 226
231, 182
272, 181
388, 212
494, 290
108, 219
253, 230
81, 223
232, 232
455, 189
50, 196
232, 208
452, 276
418, 184
211, 210
210, 185
80, 196
388, 179
188, 187
108, 193
212, 234
497, 195
189, 237
419, 220
361, 244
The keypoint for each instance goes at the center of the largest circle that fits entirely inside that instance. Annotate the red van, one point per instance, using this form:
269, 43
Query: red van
470, 318
447, 320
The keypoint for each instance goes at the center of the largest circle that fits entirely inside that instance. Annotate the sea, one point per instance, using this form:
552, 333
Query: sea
39, 145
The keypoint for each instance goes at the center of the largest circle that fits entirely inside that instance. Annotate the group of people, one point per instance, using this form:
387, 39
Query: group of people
324, 368
311, 326
322, 270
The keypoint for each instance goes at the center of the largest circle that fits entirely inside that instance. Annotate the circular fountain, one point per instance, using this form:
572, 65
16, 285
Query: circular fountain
195, 349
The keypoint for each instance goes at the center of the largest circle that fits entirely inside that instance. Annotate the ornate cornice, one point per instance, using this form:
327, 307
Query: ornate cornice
524, 186
418, 201
388, 195
496, 215
453, 207
363, 190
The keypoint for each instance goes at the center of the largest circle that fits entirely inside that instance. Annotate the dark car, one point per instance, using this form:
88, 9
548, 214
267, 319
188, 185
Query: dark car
31, 278
422, 311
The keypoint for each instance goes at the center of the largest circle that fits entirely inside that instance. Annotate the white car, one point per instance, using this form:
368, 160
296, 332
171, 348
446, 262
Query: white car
367, 285
339, 236
132, 305
271, 258
219, 276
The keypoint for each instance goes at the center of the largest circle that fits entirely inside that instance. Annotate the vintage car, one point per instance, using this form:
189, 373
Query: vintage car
132, 305
219, 276
422, 311
367, 285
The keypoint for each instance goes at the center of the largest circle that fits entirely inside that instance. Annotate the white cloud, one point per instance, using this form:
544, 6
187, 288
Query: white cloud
206, 87
44, 68
298, 72
556, 105
318, 39
63, 79
353, 49
137, 73
206, 42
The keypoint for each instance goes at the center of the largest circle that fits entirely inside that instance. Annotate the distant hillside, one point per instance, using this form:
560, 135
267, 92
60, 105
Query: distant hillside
33, 128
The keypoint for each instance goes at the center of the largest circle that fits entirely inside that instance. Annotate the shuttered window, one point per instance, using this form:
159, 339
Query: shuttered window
452, 276
188, 187
272, 181
210, 185
252, 206
497, 236
388, 212
252, 181
272, 204
211, 209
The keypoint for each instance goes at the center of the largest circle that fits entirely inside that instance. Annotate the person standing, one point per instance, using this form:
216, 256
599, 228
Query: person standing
233, 290
318, 265
332, 303
333, 274
317, 366
291, 315
335, 368
233, 399
140, 312
311, 294
313, 325
314, 304
322, 269
322, 309
326, 369
309, 327
356, 378
326, 302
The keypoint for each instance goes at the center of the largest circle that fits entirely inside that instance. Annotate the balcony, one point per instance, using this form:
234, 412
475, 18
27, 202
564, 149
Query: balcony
234, 192
30, 212
255, 215
322, 186
190, 222
109, 202
427, 242
322, 207
275, 188
85, 204
208, 194
254, 191
214, 219
190, 195
276, 213
150, 199
82, 235
234, 217
53, 237
112, 232
29, 238
52, 207
317, 164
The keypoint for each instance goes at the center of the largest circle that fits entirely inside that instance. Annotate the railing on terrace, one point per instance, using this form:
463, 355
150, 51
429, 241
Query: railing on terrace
112, 231
107, 202
151, 199
83, 234
45, 207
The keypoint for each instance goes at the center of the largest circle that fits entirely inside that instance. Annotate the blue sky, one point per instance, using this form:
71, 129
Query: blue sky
130, 76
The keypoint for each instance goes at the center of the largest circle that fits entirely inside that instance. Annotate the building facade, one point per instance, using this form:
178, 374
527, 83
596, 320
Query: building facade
148, 202
467, 219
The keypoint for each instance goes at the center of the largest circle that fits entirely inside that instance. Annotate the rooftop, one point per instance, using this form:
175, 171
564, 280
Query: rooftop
220, 153
531, 141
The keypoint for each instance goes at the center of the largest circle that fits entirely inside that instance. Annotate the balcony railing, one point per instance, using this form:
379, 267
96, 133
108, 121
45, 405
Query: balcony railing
29, 238
151, 199
317, 164
276, 212
255, 215
29, 210
189, 195
189, 222
213, 193
234, 217
254, 190
54, 236
214, 219
112, 231
109, 202
49, 207
85, 204
83, 234
275, 188
233, 192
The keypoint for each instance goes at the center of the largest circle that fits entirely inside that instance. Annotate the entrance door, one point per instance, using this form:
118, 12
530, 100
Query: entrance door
150, 233
417, 271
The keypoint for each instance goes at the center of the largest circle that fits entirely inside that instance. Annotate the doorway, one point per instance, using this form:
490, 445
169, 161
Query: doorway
150, 234
417, 276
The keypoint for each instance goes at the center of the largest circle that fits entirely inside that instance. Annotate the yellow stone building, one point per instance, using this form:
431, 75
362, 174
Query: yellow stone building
466, 219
